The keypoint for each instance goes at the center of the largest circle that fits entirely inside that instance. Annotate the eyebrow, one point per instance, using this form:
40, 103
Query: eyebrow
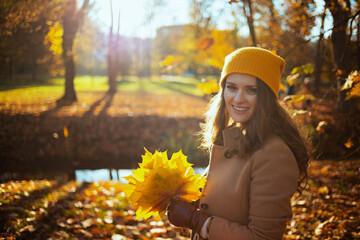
249, 86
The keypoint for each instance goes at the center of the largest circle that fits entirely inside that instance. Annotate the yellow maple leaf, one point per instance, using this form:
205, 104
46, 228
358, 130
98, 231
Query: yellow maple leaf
158, 179
209, 87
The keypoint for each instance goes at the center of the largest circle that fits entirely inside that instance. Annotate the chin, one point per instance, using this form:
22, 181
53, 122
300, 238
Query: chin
241, 120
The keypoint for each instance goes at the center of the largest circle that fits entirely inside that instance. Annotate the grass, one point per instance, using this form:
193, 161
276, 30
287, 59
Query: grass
53, 88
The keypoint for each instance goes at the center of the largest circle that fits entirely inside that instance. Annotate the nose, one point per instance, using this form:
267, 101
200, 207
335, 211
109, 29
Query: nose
239, 96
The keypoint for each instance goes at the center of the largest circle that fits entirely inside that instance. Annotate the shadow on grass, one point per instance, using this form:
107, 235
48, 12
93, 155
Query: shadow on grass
49, 221
7, 85
175, 86
108, 97
18, 205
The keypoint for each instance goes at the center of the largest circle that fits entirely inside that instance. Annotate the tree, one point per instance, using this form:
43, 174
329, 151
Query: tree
168, 41
287, 35
24, 29
319, 54
152, 19
72, 19
213, 49
125, 50
90, 49
341, 14
202, 22
113, 52
248, 12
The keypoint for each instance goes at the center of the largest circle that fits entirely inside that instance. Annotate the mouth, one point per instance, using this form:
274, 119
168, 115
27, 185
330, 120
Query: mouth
240, 109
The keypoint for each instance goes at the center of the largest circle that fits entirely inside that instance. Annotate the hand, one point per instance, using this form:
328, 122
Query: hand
184, 214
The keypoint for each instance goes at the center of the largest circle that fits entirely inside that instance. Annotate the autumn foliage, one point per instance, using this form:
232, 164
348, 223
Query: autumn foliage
158, 179
327, 209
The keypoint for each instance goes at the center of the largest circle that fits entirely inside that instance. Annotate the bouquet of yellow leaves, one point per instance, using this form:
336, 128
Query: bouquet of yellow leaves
159, 179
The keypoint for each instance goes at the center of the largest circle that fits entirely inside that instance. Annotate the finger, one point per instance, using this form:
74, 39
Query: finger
171, 206
168, 206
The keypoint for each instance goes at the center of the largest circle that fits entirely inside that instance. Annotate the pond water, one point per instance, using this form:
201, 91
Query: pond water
104, 174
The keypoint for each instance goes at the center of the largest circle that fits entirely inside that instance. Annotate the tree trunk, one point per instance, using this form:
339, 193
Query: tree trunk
70, 94
358, 44
116, 60
34, 70
250, 20
71, 175
272, 20
319, 54
71, 22
13, 69
339, 41
113, 57
111, 68
111, 175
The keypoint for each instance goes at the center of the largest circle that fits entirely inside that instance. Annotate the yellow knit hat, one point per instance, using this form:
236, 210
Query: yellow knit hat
255, 61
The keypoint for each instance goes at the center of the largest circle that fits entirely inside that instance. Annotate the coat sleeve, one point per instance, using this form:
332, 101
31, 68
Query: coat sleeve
274, 177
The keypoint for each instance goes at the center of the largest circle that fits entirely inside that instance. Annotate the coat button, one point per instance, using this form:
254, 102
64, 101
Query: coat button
227, 154
204, 206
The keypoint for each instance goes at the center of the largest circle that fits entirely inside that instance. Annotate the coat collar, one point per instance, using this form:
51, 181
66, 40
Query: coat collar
232, 136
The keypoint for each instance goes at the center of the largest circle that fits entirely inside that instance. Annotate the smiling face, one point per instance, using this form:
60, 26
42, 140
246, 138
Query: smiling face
240, 95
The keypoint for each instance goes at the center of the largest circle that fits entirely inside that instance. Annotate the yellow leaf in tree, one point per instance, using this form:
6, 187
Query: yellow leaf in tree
321, 127
353, 85
209, 87
349, 143
171, 60
206, 42
66, 132
339, 72
54, 39
159, 179
324, 190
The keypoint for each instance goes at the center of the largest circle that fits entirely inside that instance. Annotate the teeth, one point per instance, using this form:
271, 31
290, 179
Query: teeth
240, 108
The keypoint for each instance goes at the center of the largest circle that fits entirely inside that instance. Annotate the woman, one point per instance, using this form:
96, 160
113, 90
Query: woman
258, 158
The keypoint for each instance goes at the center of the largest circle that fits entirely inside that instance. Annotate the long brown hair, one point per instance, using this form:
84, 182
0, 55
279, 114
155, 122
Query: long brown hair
268, 118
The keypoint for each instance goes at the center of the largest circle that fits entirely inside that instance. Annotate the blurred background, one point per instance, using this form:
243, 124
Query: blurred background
88, 84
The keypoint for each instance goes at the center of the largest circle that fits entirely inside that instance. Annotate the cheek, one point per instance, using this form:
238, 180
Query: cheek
226, 94
253, 101
228, 98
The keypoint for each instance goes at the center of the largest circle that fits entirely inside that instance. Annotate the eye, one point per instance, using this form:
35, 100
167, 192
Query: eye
231, 87
252, 91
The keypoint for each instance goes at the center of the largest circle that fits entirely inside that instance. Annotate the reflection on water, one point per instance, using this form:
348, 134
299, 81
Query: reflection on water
104, 174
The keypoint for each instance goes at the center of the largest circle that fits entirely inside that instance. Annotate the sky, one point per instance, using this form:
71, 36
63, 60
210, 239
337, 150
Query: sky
134, 20
134, 16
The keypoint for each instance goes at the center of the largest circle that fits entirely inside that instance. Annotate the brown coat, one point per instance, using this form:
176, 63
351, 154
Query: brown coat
250, 198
